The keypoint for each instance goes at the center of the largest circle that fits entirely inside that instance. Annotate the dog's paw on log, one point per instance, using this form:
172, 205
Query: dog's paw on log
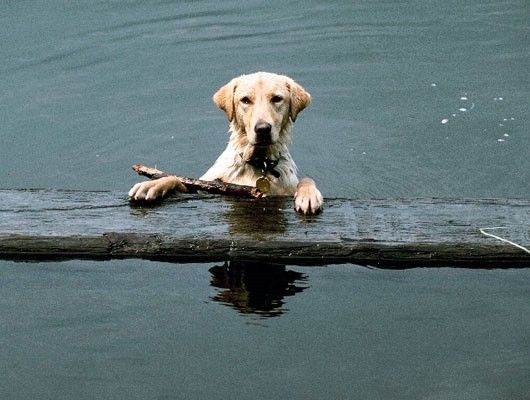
308, 199
156, 189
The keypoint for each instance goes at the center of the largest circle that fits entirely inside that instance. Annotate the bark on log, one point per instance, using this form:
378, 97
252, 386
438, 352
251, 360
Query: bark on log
391, 233
195, 185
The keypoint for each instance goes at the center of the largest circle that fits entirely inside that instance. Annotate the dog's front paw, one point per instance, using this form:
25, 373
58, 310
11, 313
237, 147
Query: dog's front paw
308, 199
155, 189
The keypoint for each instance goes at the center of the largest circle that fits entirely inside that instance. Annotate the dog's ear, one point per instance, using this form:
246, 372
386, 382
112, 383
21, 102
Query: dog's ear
300, 99
224, 98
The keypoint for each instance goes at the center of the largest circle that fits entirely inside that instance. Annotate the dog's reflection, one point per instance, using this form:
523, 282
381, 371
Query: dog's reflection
256, 287
257, 218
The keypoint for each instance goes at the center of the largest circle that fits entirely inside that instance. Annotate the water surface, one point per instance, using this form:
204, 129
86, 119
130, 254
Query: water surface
89, 88
137, 330
414, 98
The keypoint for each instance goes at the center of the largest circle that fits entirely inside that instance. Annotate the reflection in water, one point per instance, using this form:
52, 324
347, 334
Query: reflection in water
254, 287
257, 217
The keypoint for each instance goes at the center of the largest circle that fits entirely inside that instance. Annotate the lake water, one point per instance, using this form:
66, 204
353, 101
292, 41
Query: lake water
416, 98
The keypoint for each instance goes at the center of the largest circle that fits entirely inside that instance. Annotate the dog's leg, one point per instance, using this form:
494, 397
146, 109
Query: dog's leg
308, 199
156, 189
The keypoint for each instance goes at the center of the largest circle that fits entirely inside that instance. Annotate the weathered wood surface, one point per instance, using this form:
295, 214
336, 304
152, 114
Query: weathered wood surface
47, 224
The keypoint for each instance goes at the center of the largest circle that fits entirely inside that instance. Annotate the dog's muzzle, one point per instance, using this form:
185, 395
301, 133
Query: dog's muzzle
263, 133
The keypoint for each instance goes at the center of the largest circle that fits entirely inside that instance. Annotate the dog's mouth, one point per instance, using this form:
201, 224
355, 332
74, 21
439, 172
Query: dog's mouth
261, 148
261, 141
255, 151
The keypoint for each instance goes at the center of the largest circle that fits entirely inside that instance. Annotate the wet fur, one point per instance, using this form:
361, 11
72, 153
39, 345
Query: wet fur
231, 166
261, 89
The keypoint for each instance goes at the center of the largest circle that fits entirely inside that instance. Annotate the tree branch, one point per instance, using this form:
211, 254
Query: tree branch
195, 185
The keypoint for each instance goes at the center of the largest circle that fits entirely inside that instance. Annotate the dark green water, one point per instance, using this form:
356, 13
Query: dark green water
140, 330
414, 98
91, 87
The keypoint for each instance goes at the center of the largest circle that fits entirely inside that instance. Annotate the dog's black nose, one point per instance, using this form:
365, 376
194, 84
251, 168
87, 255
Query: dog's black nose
263, 132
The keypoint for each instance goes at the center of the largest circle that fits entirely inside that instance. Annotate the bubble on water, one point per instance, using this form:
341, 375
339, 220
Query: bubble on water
501, 99
505, 119
454, 115
506, 135
501, 124
463, 109
500, 140
463, 98
444, 121
433, 84
364, 153
512, 119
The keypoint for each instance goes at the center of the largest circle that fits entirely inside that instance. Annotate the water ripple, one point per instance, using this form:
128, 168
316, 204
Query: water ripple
159, 20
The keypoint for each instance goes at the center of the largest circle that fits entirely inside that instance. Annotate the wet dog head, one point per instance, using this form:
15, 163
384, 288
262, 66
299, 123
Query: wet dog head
261, 105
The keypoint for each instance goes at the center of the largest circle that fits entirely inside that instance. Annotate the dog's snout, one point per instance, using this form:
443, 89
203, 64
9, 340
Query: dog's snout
263, 132
263, 128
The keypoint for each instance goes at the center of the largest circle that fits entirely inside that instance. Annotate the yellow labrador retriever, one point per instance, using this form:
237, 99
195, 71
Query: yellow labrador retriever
261, 109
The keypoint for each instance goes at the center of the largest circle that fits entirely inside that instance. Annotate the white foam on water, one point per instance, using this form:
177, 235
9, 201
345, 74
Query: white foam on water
463, 109
444, 121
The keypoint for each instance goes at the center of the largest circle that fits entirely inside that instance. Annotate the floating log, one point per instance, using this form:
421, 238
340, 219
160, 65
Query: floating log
401, 233
196, 185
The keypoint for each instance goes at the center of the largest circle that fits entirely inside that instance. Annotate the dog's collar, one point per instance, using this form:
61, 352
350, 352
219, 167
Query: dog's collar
264, 164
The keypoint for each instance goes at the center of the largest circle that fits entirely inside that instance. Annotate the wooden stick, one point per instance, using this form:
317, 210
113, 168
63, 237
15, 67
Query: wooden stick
195, 185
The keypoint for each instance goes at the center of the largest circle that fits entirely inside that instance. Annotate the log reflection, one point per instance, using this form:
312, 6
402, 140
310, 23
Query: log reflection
256, 287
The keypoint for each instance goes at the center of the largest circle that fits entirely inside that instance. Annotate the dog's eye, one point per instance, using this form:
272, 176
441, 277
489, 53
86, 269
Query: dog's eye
246, 100
276, 99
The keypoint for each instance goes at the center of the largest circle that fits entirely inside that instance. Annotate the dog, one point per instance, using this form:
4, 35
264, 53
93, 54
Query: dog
261, 109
